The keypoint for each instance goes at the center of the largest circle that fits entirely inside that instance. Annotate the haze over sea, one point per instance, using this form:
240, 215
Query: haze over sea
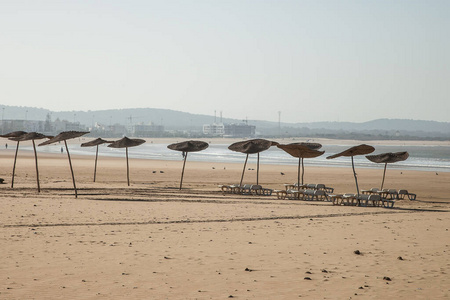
421, 157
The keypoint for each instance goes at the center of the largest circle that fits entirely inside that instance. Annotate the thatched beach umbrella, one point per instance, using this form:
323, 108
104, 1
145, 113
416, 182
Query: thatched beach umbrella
125, 143
185, 147
14, 134
302, 150
27, 137
387, 158
64, 136
251, 147
353, 151
96, 142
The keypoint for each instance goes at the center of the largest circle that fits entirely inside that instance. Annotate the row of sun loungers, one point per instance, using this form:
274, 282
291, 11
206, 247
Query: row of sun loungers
246, 189
302, 194
311, 186
391, 194
319, 192
361, 200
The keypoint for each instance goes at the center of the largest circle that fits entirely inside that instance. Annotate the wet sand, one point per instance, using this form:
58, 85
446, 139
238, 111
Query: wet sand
153, 241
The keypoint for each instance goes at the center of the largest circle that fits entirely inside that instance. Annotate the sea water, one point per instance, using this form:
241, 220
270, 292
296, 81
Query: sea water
421, 157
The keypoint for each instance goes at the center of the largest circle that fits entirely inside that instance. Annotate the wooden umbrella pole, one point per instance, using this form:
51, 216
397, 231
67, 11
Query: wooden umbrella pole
243, 171
95, 167
298, 172
71, 169
257, 171
384, 174
354, 174
303, 170
182, 171
37, 169
14, 166
128, 167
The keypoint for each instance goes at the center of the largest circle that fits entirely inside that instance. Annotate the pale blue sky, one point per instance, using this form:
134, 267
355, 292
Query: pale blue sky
311, 60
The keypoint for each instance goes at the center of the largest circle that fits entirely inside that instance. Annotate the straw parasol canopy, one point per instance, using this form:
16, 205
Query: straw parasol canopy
13, 134
185, 147
251, 147
30, 136
302, 150
313, 146
64, 136
387, 158
27, 137
355, 150
96, 143
189, 146
125, 143
362, 149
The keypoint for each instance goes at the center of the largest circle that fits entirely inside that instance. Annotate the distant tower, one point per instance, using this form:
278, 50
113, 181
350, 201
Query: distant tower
221, 117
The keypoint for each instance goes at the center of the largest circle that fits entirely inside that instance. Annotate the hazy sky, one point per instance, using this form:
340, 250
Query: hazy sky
311, 60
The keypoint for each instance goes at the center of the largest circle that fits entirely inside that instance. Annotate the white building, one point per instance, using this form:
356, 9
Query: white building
214, 129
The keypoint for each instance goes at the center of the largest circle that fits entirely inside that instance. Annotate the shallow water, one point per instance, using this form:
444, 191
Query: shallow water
424, 158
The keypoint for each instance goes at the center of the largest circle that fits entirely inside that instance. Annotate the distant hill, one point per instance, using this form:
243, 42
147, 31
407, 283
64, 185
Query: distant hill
382, 124
177, 120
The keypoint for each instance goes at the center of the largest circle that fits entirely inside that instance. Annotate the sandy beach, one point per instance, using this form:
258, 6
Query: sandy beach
152, 241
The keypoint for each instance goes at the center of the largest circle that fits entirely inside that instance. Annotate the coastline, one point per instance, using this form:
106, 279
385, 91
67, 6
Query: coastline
424, 155
151, 240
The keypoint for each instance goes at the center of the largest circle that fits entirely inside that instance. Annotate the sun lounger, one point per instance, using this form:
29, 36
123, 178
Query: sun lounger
232, 188
403, 193
387, 203
318, 195
295, 194
294, 186
257, 189
390, 194
336, 198
281, 194
369, 200
321, 195
350, 200
309, 194
371, 191
321, 186
225, 188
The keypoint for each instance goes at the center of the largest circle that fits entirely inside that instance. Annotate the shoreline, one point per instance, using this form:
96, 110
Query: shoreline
152, 240
228, 141
222, 155
147, 172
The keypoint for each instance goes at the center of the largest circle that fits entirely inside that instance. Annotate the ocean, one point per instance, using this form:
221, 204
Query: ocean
421, 157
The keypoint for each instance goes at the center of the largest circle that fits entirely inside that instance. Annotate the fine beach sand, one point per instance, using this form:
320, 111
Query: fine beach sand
153, 241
